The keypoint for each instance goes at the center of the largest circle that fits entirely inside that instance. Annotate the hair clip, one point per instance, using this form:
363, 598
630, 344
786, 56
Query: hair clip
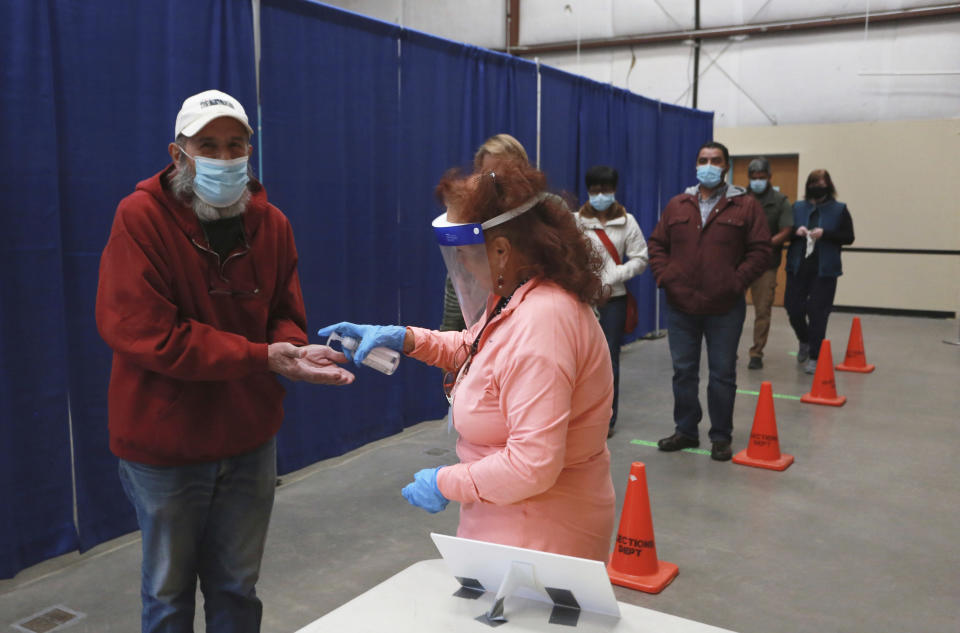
493, 175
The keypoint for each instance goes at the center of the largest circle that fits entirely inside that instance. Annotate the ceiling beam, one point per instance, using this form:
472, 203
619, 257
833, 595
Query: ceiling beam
768, 28
513, 24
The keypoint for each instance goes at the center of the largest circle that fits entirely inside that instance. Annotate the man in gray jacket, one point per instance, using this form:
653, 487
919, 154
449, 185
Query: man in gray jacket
779, 213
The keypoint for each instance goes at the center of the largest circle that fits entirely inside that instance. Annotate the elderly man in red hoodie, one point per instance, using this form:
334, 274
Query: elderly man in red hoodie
200, 301
711, 243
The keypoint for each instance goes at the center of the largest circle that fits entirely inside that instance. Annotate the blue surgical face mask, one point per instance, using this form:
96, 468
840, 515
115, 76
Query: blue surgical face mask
709, 175
220, 183
758, 186
601, 201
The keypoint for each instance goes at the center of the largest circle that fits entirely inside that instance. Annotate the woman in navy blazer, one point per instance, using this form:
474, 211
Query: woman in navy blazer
823, 225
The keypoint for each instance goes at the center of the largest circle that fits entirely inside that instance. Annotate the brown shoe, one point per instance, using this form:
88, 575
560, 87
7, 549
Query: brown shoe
721, 451
677, 442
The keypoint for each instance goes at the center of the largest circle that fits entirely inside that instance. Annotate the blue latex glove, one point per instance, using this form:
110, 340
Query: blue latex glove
370, 336
423, 492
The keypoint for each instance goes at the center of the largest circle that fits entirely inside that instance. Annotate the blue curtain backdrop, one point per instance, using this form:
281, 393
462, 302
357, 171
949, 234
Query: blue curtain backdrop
122, 70
329, 151
586, 123
681, 132
360, 120
452, 98
36, 500
638, 120
559, 137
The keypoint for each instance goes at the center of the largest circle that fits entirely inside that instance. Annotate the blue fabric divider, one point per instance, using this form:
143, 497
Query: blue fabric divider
452, 98
613, 127
113, 127
559, 130
681, 132
330, 146
640, 120
619, 129
36, 499
360, 120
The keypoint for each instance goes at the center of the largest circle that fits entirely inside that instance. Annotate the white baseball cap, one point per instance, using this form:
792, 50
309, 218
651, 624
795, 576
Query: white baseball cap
202, 108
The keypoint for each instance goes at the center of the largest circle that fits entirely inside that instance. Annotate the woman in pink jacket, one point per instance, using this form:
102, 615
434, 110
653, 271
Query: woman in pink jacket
530, 378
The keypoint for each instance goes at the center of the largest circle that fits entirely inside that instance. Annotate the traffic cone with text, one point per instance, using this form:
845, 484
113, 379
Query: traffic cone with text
824, 388
856, 359
763, 451
634, 561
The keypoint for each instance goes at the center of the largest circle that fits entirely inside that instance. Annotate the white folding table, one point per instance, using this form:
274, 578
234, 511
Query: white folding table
420, 599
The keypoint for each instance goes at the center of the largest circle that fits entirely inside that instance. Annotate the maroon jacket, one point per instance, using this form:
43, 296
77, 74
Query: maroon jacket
706, 270
190, 381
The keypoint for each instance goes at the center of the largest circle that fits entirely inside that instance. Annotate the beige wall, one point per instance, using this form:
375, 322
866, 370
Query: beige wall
897, 179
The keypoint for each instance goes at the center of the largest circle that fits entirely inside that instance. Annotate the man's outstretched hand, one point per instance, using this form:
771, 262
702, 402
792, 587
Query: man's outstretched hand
317, 364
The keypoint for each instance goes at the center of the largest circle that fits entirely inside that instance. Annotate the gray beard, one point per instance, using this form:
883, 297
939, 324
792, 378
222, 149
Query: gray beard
181, 182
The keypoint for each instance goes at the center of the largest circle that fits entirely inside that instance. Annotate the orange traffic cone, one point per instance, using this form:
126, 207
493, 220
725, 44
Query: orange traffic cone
856, 359
824, 388
763, 451
634, 561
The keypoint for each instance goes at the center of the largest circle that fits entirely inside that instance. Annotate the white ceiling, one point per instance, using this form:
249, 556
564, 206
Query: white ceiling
781, 78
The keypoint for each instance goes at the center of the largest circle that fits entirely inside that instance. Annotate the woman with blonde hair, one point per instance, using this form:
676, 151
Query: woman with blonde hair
493, 150
498, 145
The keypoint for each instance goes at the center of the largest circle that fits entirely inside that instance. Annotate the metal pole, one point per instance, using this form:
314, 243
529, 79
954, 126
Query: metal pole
656, 291
255, 8
957, 340
696, 51
578, 40
753, 30
537, 60
657, 332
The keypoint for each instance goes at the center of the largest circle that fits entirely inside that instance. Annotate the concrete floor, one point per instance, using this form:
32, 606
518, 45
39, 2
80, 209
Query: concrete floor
860, 534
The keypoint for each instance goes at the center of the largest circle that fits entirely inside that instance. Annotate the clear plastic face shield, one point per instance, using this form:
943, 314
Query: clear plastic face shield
465, 255
464, 252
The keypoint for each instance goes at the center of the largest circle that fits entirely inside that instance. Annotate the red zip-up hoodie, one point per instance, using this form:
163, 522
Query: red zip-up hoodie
189, 333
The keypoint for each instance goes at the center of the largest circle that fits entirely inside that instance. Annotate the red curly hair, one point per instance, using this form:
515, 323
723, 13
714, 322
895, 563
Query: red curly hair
547, 235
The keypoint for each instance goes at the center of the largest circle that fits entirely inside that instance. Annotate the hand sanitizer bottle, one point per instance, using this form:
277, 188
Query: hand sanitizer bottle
383, 359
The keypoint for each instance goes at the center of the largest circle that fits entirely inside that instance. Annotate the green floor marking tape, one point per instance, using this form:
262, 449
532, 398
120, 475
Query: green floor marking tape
747, 392
698, 451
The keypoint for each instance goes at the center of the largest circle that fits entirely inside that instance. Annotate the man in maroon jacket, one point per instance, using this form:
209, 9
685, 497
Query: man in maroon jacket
200, 301
712, 241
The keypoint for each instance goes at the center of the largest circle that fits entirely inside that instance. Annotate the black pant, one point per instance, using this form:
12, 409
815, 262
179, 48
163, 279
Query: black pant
613, 315
808, 299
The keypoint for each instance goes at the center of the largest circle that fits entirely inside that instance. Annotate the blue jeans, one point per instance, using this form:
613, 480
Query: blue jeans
685, 334
204, 520
613, 315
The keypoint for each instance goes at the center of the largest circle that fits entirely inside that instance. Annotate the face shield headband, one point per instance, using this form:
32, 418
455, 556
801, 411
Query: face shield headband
464, 252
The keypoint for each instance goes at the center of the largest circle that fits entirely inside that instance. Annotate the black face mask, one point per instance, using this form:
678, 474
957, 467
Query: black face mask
818, 192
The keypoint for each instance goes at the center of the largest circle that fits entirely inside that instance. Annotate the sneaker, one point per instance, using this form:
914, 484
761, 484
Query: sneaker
811, 366
803, 353
755, 363
721, 451
677, 442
